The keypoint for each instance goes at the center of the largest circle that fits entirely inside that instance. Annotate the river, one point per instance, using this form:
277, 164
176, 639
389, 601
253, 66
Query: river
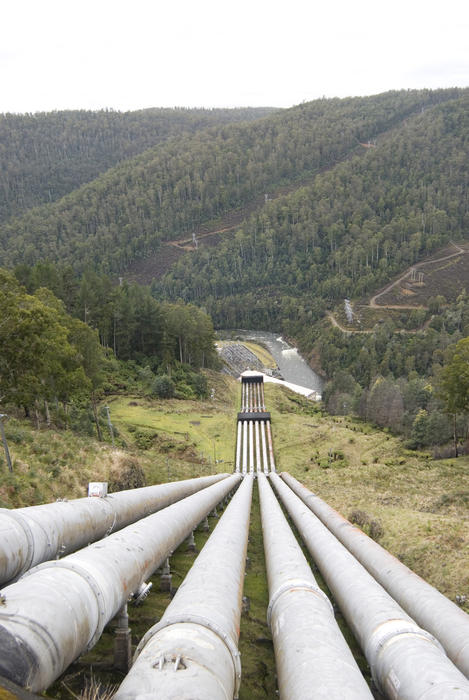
292, 366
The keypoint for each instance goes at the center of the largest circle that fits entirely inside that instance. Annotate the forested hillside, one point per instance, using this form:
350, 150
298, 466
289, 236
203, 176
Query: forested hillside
170, 189
373, 186
346, 234
46, 155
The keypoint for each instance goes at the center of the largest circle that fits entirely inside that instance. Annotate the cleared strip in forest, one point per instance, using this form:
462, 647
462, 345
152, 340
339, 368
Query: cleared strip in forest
158, 264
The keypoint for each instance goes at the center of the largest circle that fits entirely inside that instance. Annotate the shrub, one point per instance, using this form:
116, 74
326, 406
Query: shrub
163, 387
199, 385
17, 435
373, 528
144, 438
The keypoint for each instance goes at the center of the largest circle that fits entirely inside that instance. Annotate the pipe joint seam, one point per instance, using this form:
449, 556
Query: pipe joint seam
81, 571
390, 631
111, 508
296, 585
29, 538
203, 622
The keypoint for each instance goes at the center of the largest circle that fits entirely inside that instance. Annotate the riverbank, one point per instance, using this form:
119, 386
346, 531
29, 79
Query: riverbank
290, 365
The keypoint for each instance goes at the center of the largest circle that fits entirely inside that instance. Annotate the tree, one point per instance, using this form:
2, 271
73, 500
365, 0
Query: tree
34, 351
453, 384
44, 353
385, 405
163, 387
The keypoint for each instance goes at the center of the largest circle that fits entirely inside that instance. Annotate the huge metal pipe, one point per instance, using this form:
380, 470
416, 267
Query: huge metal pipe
192, 652
271, 449
238, 447
245, 446
258, 447
430, 608
406, 661
59, 609
29, 536
264, 448
251, 447
312, 657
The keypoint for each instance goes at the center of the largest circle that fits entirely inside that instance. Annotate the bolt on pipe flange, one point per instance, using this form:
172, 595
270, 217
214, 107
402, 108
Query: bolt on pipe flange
203, 622
81, 571
296, 585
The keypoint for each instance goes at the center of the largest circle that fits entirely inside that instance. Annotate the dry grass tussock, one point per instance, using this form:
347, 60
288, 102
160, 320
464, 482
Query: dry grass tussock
93, 690
125, 472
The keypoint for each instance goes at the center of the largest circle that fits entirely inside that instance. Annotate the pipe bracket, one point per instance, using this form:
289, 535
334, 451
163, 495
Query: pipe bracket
296, 585
203, 622
81, 571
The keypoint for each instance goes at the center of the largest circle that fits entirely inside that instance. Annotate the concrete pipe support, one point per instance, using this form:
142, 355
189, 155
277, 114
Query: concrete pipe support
407, 662
312, 657
59, 609
29, 536
430, 608
192, 652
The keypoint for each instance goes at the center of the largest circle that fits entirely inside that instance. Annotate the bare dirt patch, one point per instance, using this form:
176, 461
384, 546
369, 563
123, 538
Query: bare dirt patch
146, 270
447, 278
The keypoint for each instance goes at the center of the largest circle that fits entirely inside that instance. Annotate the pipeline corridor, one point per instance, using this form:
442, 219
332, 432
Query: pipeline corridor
416, 642
254, 449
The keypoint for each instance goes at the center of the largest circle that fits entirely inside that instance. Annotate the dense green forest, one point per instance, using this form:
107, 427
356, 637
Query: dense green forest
52, 361
46, 155
346, 234
127, 318
172, 188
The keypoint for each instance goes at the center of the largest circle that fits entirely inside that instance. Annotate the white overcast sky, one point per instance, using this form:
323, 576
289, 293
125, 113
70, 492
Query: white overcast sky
122, 54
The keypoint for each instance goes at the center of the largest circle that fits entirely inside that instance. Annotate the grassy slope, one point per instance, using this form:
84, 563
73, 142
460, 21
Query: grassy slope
421, 504
261, 353
52, 464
